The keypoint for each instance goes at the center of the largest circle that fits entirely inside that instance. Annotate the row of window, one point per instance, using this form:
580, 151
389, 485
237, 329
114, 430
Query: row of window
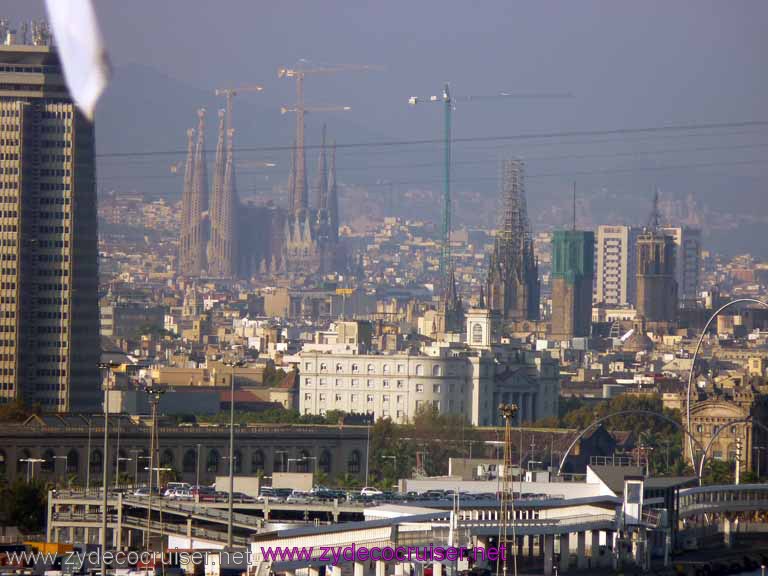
371, 368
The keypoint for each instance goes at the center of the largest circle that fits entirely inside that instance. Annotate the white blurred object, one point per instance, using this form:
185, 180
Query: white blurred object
81, 49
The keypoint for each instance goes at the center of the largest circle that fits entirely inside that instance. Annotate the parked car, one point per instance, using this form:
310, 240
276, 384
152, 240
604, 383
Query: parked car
181, 494
203, 493
370, 491
299, 497
171, 486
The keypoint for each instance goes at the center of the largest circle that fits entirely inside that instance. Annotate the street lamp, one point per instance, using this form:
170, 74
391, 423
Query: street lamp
234, 366
293, 460
117, 466
31, 466
283, 452
758, 448
197, 467
65, 458
311, 458
155, 393
394, 462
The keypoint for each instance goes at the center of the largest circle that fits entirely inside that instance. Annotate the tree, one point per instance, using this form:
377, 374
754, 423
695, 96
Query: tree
23, 505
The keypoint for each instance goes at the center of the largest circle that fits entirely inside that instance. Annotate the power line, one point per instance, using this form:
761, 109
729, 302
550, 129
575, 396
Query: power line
502, 138
528, 175
527, 159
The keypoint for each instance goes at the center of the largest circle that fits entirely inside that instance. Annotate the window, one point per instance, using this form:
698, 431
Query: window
339, 367
369, 398
189, 462
212, 465
419, 387
370, 369
385, 384
436, 404
307, 396
257, 462
355, 382
307, 366
323, 367
400, 368
399, 399
477, 333
385, 368
322, 397
385, 398
339, 397
436, 370
370, 384
419, 370
353, 462
308, 381
321, 382
353, 397
436, 388
355, 368
400, 384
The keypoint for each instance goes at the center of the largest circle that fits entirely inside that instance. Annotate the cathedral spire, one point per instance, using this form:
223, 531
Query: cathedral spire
186, 204
333, 195
321, 179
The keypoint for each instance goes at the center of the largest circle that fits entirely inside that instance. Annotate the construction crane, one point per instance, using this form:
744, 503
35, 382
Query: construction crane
448, 102
229, 93
299, 72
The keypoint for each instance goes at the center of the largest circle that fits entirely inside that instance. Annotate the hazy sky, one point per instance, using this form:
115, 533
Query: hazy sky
629, 63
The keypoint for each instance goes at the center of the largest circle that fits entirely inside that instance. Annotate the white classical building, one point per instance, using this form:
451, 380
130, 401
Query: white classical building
469, 379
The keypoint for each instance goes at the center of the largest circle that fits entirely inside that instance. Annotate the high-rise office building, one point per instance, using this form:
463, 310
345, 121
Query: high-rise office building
616, 265
573, 271
688, 260
49, 313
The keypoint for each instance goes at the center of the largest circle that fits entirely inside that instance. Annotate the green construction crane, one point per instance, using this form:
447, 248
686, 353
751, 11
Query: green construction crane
448, 105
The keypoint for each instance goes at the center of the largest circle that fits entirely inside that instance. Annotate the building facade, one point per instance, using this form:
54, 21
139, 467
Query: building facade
451, 379
62, 445
573, 272
49, 312
616, 265
688, 260
656, 283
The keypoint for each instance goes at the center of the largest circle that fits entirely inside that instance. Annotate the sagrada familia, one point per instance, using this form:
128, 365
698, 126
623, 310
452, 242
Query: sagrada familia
222, 237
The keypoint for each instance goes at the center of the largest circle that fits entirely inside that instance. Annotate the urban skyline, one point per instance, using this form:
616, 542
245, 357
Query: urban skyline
374, 327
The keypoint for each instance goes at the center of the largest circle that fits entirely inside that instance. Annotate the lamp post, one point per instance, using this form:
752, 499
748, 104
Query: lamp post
293, 460
31, 466
66, 461
230, 506
155, 393
394, 463
311, 458
121, 459
117, 451
197, 467
283, 452
758, 449
88, 458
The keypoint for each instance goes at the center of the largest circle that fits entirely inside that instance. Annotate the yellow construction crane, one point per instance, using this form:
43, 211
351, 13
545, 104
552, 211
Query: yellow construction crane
228, 93
299, 72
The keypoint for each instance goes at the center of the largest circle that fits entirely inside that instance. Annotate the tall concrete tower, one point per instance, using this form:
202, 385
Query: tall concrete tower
49, 314
513, 277
573, 271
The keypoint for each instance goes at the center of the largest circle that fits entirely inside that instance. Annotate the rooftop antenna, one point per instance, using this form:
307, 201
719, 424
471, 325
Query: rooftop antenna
574, 204
655, 219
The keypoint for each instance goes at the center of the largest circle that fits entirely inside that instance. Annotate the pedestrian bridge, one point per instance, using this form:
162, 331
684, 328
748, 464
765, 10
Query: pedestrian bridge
722, 498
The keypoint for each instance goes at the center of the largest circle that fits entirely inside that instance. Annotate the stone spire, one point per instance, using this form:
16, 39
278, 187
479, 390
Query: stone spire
320, 191
186, 206
198, 214
333, 196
